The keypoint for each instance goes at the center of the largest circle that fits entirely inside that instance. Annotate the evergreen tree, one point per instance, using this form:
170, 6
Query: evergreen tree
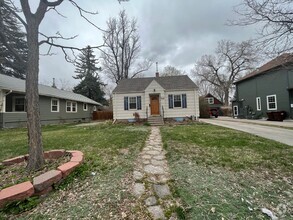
11, 36
87, 71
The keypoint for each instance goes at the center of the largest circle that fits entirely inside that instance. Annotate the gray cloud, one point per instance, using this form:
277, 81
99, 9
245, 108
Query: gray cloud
172, 32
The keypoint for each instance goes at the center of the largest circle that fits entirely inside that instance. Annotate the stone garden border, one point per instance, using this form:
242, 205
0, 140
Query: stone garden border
43, 184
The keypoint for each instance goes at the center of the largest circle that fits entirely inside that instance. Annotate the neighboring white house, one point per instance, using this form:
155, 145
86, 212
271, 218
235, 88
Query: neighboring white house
168, 97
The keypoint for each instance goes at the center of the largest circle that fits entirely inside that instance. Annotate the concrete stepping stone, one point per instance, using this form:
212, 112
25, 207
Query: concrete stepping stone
151, 169
146, 156
156, 212
146, 162
138, 189
159, 157
153, 152
162, 190
150, 201
158, 162
137, 175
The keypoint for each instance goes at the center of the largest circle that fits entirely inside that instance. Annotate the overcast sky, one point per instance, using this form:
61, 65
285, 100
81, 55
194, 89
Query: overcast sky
172, 32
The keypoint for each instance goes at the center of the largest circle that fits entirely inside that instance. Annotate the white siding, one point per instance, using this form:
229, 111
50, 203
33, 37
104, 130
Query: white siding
155, 88
118, 106
192, 105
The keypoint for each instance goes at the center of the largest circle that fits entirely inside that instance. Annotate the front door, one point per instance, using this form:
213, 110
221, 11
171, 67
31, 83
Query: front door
155, 110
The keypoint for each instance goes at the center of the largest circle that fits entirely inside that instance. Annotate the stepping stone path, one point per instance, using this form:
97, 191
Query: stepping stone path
151, 176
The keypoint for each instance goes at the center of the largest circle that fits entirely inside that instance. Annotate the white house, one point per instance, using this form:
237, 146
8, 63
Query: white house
170, 97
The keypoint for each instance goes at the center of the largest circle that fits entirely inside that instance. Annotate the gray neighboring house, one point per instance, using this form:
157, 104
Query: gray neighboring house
56, 106
267, 89
170, 97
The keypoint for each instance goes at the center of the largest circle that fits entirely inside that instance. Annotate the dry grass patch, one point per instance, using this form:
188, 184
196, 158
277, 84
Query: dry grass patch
220, 173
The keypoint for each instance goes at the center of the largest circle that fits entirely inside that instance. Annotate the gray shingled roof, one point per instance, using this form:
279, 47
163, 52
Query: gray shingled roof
18, 85
168, 83
282, 60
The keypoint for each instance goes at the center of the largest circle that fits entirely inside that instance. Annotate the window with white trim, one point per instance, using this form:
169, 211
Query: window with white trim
54, 105
71, 106
177, 101
19, 104
85, 108
132, 102
258, 104
210, 100
272, 102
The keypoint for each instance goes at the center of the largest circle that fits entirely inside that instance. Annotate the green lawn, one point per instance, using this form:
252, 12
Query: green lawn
100, 188
221, 173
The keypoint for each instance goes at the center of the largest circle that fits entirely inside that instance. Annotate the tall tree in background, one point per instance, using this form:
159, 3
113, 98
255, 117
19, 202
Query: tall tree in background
172, 71
31, 21
87, 71
122, 49
276, 19
226, 66
13, 46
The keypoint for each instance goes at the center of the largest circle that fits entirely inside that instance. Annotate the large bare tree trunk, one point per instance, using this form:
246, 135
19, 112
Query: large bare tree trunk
36, 157
226, 98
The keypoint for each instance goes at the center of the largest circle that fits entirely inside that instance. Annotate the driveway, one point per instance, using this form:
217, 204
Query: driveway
282, 135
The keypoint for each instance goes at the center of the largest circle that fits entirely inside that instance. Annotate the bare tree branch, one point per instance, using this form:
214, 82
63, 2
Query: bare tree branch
276, 19
221, 70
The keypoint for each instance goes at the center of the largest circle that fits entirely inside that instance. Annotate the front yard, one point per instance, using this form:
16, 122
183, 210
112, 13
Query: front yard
221, 173
100, 188
218, 173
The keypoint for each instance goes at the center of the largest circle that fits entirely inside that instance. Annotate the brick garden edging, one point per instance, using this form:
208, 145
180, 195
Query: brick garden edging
42, 184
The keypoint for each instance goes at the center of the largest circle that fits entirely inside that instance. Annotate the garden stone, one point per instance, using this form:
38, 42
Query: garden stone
152, 152
159, 157
138, 189
151, 201
151, 169
137, 175
146, 157
158, 162
162, 190
156, 212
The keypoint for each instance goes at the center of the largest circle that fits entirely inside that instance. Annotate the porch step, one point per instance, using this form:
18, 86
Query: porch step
156, 120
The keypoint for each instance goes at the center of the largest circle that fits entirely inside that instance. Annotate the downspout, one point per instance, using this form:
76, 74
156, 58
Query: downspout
3, 110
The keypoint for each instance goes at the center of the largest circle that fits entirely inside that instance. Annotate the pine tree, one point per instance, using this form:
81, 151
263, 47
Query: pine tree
87, 71
12, 36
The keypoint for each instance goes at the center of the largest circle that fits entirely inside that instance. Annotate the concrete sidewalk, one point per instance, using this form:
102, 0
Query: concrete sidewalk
286, 123
281, 135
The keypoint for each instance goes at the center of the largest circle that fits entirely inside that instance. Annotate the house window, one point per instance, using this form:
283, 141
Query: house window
272, 102
235, 110
258, 104
132, 103
177, 101
85, 106
54, 105
19, 104
71, 106
210, 100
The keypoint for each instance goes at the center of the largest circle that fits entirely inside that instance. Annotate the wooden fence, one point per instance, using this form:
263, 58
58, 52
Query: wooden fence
100, 115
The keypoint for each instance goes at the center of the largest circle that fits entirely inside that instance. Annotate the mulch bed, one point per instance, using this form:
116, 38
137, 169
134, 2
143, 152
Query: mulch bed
17, 173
